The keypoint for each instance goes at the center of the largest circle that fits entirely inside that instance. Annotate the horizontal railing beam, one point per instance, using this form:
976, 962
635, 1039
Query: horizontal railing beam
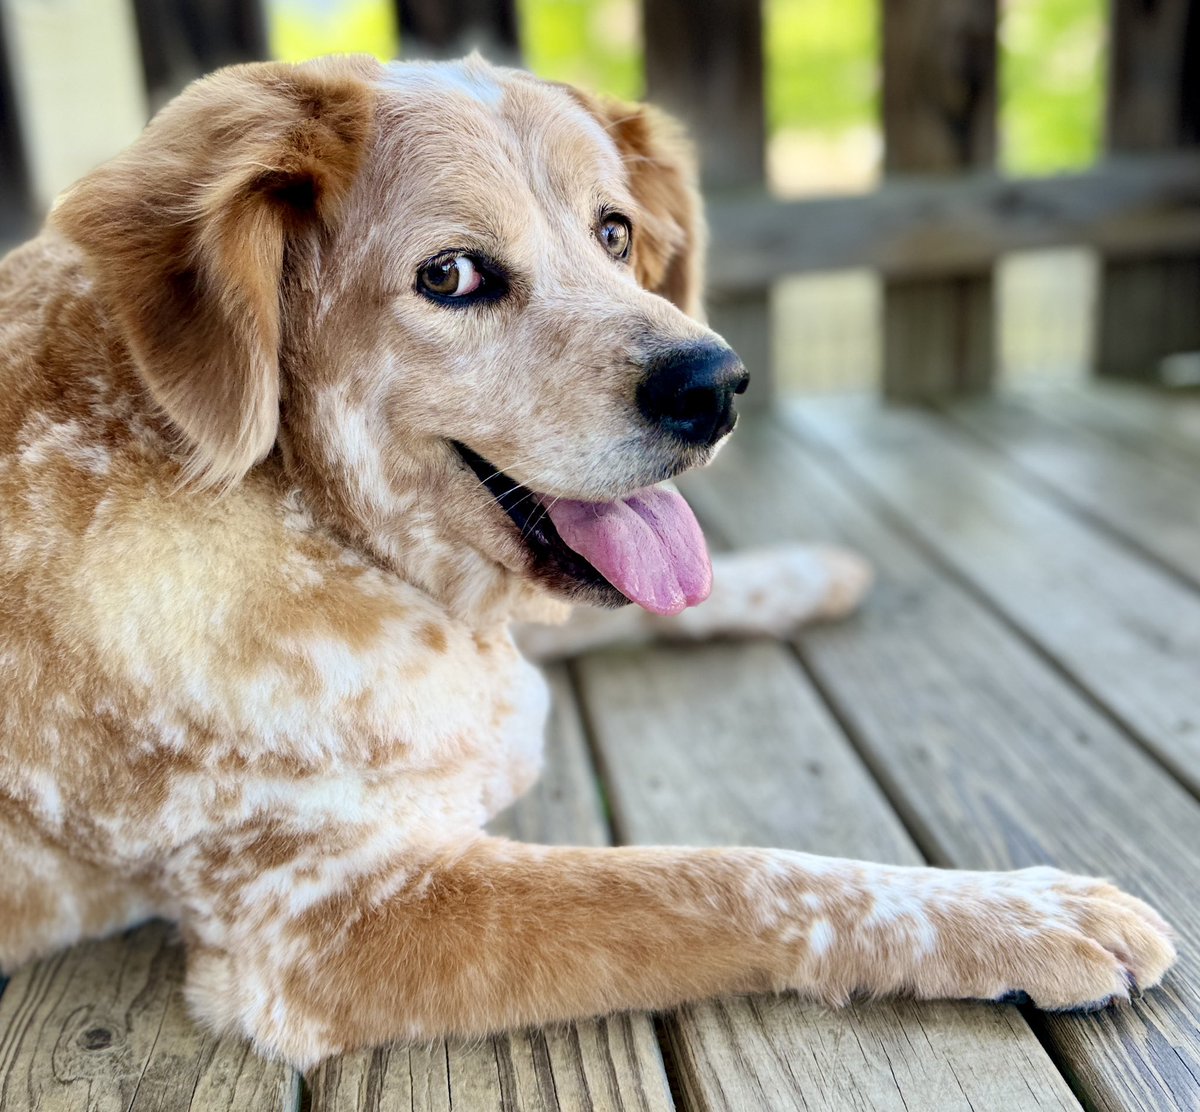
1134, 206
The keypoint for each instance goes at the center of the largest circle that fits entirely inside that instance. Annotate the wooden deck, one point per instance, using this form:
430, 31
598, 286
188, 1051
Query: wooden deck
1024, 686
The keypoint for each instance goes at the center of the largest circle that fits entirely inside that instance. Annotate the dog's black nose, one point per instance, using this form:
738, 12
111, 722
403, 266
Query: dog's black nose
689, 392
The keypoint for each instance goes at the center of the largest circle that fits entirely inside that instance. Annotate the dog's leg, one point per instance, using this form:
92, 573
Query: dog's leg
757, 591
496, 935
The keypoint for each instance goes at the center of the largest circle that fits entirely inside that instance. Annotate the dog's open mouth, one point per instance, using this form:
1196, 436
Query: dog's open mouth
645, 548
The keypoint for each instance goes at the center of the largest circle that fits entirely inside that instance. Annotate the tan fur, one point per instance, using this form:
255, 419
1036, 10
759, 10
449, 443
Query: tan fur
257, 675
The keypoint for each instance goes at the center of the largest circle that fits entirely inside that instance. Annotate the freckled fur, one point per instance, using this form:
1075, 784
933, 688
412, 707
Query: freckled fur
257, 673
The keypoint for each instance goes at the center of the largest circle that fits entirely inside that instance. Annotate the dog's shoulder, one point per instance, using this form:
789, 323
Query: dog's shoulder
158, 634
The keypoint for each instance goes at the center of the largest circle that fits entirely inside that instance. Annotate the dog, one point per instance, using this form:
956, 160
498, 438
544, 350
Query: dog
339, 370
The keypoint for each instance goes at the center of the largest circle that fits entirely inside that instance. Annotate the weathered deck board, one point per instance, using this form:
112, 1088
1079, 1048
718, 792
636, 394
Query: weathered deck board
1163, 427
1126, 629
1151, 504
729, 744
608, 1064
992, 758
103, 1027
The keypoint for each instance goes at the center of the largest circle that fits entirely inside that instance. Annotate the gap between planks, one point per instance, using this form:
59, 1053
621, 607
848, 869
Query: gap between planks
1124, 631
729, 744
993, 756
1145, 503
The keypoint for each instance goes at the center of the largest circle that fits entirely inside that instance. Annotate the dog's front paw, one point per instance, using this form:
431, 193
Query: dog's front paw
1067, 942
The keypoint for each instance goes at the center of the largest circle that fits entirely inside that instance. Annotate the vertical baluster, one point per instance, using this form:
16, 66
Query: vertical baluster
1149, 307
939, 117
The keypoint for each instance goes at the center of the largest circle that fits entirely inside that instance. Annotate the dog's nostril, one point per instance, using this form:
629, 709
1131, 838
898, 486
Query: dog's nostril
689, 392
692, 405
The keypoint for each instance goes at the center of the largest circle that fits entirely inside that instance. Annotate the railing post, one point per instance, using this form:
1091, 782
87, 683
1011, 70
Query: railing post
1149, 308
448, 28
15, 213
704, 64
185, 39
939, 117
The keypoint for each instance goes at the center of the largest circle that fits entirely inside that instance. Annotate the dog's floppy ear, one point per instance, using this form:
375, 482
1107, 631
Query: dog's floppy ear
669, 241
185, 235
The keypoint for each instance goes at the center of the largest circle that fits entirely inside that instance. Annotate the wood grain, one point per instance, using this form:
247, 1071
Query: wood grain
991, 756
704, 64
611, 1064
728, 744
1147, 307
939, 117
1151, 503
103, 1027
1123, 627
937, 225
1164, 427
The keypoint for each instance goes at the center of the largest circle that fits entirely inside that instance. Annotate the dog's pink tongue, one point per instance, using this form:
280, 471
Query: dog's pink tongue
649, 546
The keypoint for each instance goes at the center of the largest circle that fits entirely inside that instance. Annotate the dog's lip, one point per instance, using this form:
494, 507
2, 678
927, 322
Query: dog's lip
552, 558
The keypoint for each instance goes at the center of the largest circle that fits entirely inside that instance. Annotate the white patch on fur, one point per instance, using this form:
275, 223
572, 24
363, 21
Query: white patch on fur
821, 936
465, 78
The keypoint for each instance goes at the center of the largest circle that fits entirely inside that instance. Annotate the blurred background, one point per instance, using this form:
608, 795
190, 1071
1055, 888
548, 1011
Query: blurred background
1011, 219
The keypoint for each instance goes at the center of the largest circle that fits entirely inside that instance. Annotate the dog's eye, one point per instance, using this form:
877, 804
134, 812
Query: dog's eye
450, 276
616, 235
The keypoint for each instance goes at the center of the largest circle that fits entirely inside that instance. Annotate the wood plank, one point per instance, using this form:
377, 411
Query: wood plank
704, 64
1152, 505
604, 1064
938, 336
450, 28
14, 183
180, 42
1164, 427
934, 226
939, 116
744, 320
1147, 307
1153, 103
991, 756
729, 744
1124, 628
103, 1026
1146, 312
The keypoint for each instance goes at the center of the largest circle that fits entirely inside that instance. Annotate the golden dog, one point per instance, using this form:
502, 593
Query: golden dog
335, 372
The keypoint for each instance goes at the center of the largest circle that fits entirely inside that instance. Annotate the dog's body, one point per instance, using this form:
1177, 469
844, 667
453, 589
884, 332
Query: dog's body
256, 577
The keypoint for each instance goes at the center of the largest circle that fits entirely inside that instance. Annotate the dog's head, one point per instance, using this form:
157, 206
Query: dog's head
460, 302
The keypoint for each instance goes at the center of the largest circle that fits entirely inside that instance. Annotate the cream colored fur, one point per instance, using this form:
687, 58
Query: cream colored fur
257, 670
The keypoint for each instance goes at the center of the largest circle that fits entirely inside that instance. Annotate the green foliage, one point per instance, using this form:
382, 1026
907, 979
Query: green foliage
822, 61
1052, 84
592, 43
301, 29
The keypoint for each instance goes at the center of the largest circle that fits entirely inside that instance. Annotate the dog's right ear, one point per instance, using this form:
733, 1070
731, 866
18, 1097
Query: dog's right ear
185, 234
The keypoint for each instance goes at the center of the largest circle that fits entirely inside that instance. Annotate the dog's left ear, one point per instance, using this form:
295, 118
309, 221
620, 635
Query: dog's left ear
669, 241
185, 235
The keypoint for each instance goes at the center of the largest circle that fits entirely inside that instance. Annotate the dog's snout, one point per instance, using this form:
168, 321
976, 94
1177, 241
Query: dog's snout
689, 392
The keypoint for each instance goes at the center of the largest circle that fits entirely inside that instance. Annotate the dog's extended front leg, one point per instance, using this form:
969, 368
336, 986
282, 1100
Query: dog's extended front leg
756, 591
498, 935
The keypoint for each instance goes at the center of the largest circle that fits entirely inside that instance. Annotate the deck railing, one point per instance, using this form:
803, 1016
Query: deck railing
935, 227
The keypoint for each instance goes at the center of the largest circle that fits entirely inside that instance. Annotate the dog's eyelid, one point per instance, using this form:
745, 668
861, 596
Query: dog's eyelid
491, 281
